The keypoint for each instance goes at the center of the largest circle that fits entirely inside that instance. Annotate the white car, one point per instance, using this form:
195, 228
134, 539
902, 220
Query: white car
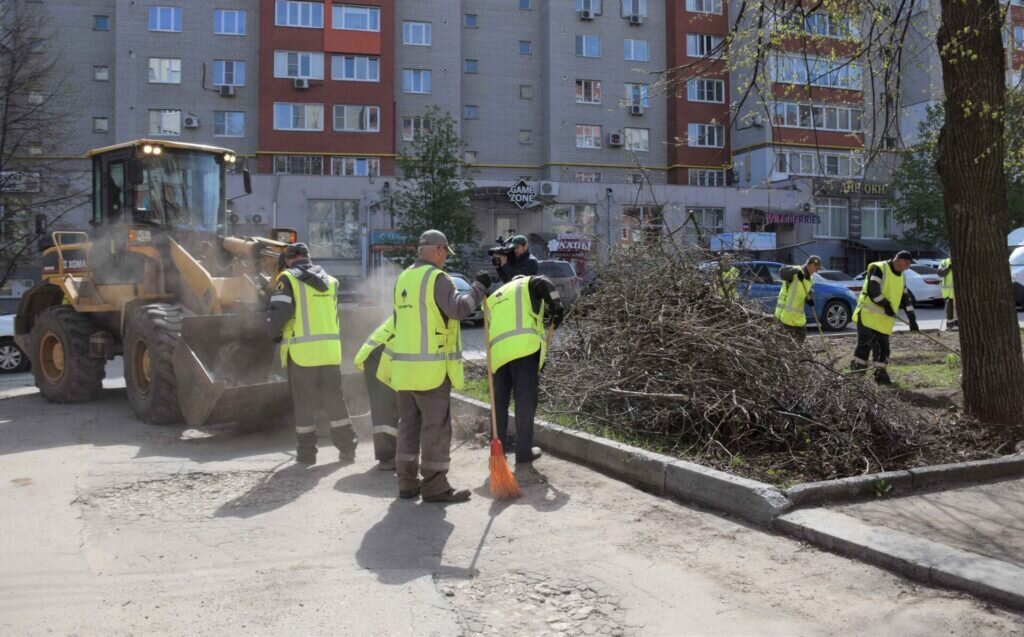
12, 359
923, 283
1017, 275
931, 263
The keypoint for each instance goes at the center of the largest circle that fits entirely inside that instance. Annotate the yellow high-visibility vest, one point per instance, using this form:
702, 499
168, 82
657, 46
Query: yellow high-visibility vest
947, 281
380, 338
729, 280
312, 337
790, 307
514, 330
870, 313
426, 348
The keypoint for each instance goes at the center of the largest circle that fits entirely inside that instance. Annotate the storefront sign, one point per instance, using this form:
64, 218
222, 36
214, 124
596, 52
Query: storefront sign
388, 237
781, 218
522, 194
850, 187
570, 242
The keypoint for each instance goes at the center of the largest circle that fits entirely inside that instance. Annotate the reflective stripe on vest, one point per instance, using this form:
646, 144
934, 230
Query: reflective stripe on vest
380, 336
869, 313
947, 281
790, 307
312, 337
425, 349
514, 330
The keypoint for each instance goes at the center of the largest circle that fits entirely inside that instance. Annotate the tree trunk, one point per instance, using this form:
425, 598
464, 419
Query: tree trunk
971, 151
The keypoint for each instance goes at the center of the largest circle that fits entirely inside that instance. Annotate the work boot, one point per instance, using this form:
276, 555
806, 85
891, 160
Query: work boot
535, 453
346, 456
305, 456
410, 494
857, 366
527, 475
882, 377
386, 465
451, 495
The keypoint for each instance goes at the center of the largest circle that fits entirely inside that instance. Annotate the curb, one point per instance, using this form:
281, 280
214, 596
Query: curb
18, 392
913, 557
656, 473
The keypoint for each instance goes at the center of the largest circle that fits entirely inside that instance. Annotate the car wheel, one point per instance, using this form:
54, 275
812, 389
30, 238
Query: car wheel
12, 359
836, 316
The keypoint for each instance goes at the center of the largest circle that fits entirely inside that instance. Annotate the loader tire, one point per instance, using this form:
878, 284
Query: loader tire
63, 370
149, 342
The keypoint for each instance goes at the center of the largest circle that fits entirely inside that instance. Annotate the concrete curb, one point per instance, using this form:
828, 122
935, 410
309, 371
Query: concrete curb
750, 500
18, 392
913, 557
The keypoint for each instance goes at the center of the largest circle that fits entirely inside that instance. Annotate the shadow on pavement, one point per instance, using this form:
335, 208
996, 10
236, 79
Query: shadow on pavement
372, 482
543, 497
278, 489
408, 543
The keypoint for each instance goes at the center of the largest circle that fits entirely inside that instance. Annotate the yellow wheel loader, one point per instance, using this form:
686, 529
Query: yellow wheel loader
159, 282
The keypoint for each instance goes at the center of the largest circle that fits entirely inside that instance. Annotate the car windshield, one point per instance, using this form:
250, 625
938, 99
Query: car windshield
460, 284
180, 189
555, 269
835, 275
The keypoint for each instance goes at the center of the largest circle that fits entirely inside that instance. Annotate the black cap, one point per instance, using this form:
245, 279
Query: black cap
519, 240
814, 260
904, 254
293, 250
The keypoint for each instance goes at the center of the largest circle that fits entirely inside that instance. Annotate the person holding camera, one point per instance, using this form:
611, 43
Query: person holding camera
517, 261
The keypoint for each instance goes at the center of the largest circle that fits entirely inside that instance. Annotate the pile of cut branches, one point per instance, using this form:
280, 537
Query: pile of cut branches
658, 355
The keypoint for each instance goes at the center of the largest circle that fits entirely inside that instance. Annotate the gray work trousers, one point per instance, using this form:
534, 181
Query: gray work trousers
424, 439
950, 310
798, 334
317, 391
383, 409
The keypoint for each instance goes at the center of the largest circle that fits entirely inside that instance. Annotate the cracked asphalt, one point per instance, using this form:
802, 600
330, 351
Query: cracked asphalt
113, 527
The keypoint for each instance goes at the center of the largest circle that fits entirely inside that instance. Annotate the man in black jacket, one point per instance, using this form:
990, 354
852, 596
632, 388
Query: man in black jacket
520, 262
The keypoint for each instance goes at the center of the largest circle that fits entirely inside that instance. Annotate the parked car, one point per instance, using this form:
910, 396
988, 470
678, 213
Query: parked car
837, 277
12, 359
760, 280
931, 263
563, 275
463, 286
923, 283
1017, 275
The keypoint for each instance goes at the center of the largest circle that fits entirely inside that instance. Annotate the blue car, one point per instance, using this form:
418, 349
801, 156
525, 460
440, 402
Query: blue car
760, 280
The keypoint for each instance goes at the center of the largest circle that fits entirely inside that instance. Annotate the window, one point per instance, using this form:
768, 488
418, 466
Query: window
637, 139
876, 220
526, 137
1018, 37
634, 7
289, 13
526, 91
334, 229
707, 222
579, 217
298, 117
588, 136
638, 94
470, 111
469, 157
471, 66
100, 124
524, 5
414, 127
164, 71
699, 45
228, 73
701, 90
634, 178
588, 178
830, 26
417, 33
469, 21
525, 48
298, 165
355, 166
704, 177
588, 46
101, 23
165, 122
228, 124
35, 98
704, 6
415, 81
355, 68
817, 116
706, 136
641, 224
815, 164
357, 119
593, 6
101, 73
588, 91
831, 73
355, 18
299, 64
165, 19
636, 50
833, 215
227, 22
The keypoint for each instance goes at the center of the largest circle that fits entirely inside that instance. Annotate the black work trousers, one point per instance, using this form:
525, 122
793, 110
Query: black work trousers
873, 343
519, 377
383, 409
316, 391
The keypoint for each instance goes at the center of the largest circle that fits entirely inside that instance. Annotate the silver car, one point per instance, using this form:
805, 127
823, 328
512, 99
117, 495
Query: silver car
463, 286
563, 275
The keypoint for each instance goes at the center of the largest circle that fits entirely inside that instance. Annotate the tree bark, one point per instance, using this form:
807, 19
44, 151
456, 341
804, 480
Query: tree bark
971, 152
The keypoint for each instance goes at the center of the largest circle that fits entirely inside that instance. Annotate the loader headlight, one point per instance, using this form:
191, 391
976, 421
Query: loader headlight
152, 149
285, 236
229, 158
140, 235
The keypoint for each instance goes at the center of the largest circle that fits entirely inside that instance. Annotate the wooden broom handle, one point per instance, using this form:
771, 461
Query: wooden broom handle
490, 378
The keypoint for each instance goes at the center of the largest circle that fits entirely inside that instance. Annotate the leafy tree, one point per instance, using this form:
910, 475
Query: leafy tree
435, 191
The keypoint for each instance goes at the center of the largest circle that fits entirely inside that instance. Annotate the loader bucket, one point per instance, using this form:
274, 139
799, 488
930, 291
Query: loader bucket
228, 370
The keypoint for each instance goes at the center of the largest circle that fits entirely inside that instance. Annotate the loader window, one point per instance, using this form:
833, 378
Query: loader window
180, 190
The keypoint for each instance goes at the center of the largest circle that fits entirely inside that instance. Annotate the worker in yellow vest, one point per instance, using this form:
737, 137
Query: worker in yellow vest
728, 277
884, 294
426, 362
303, 318
946, 272
518, 312
375, 364
794, 294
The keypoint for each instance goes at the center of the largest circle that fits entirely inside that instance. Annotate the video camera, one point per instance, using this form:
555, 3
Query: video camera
504, 248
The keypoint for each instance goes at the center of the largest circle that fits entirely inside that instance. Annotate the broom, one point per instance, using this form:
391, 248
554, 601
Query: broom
503, 483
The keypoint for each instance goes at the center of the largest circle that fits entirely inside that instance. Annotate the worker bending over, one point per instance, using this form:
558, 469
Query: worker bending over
884, 294
376, 367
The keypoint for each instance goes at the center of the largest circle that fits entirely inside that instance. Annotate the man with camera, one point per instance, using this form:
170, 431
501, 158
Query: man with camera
513, 259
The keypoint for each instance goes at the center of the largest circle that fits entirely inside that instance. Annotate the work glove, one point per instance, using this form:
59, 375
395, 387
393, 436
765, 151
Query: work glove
483, 278
887, 306
809, 300
800, 275
913, 323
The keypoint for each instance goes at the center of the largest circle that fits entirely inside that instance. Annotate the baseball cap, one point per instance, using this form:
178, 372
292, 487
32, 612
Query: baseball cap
904, 254
814, 259
435, 238
293, 250
519, 240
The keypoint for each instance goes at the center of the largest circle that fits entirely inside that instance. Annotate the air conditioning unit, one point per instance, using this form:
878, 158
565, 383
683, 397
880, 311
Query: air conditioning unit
227, 91
586, 14
257, 219
636, 109
191, 121
302, 83
549, 188
636, 19
615, 139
